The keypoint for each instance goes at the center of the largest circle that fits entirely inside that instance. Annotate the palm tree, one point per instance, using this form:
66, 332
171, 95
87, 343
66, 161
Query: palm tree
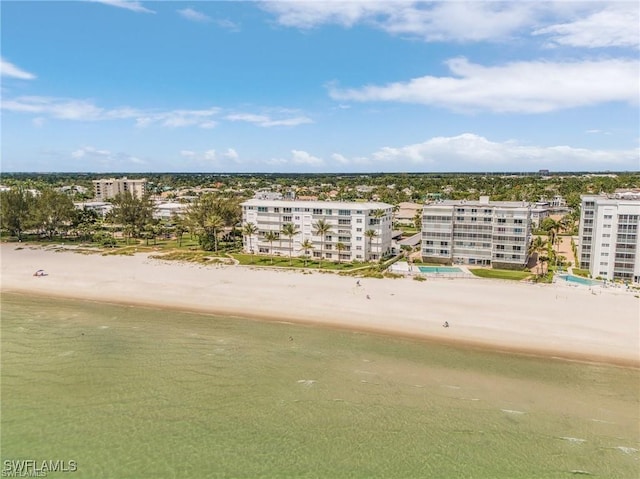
340, 247
321, 228
377, 215
370, 234
290, 230
271, 236
249, 229
566, 223
306, 246
180, 228
212, 225
538, 245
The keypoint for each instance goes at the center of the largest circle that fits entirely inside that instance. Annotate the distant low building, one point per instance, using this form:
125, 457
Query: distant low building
102, 208
169, 210
407, 212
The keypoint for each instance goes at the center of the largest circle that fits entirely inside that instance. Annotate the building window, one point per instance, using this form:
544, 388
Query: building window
317, 211
287, 219
262, 209
276, 210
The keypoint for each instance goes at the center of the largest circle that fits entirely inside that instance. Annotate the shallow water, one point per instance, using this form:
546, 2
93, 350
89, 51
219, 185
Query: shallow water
133, 393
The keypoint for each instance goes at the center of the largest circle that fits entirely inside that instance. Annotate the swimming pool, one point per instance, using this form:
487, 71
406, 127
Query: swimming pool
580, 280
439, 269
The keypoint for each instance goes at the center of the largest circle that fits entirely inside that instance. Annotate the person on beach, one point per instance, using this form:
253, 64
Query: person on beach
446, 324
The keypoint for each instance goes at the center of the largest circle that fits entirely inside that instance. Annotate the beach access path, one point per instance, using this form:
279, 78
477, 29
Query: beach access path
552, 320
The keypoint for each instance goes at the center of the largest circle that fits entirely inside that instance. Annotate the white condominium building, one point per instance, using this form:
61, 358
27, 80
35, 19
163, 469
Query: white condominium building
478, 232
346, 240
108, 188
609, 241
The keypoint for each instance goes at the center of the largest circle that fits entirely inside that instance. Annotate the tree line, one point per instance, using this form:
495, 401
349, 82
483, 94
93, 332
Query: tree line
49, 213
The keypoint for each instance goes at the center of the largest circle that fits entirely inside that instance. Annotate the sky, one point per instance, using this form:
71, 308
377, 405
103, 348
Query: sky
319, 86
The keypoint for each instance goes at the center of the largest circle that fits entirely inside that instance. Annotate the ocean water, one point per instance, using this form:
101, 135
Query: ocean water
124, 392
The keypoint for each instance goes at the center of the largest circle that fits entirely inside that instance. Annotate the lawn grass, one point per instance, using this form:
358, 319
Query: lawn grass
581, 272
283, 261
500, 274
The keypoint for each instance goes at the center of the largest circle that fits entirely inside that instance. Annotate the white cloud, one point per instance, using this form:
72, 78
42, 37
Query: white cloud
616, 25
86, 110
298, 157
430, 21
211, 156
580, 24
266, 121
64, 109
8, 69
89, 150
478, 151
524, 87
38, 122
228, 25
134, 6
340, 158
194, 15
231, 154
106, 159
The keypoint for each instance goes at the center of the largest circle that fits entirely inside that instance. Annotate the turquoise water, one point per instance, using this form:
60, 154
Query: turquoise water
580, 280
439, 269
136, 393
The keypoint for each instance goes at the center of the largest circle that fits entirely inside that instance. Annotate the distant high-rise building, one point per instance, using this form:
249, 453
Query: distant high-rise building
609, 241
478, 232
108, 188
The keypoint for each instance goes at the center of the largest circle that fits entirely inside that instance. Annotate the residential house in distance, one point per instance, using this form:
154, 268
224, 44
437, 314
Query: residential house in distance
105, 189
478, 232
102, 208
169, 210
349, 223
609, 241
556, 208
406, 213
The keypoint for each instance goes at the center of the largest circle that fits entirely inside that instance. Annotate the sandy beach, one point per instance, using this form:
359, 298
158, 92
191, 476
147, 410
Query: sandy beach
558, 320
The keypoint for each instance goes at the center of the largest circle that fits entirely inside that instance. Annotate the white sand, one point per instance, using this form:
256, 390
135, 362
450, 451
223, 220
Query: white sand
551, 320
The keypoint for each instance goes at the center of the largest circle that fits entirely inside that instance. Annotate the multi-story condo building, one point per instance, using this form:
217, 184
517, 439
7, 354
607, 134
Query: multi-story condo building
349, 225
609, 241
108, 188
478, 232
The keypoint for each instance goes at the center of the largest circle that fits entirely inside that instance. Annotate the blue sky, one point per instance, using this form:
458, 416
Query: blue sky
320, 86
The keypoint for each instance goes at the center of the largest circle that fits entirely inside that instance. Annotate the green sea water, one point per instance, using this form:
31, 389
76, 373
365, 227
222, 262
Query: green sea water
130, 392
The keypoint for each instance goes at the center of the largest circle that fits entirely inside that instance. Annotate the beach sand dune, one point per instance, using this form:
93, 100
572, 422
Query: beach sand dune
556, 320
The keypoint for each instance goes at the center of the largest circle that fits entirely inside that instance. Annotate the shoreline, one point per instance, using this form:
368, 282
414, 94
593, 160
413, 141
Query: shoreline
484, 314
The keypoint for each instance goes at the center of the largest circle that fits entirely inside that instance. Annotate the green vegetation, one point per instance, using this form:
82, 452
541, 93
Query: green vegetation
500, 274
581, 272
285, 261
